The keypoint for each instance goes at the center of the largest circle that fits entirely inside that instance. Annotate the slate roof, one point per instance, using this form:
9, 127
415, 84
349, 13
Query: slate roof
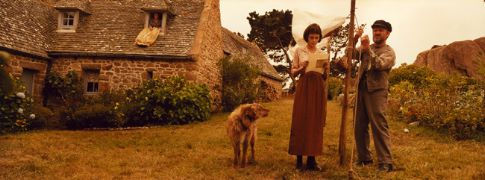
73, 4
112, 27
26, 26
157, 5
238, 46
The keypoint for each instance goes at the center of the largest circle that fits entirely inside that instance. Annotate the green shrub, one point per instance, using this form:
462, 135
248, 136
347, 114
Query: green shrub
451, 103
335, 87
238, 82
93, 116
42, 117
15, 105
172, 101
109, 98
68, 89
7, 84
15, 109
418, 76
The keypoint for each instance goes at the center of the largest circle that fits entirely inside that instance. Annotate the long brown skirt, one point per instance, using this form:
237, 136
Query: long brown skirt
308, 119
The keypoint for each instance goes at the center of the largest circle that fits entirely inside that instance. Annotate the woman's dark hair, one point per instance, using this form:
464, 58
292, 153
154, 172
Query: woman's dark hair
312, 29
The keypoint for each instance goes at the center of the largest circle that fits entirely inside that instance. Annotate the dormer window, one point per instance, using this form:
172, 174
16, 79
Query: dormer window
156, 20
68, 21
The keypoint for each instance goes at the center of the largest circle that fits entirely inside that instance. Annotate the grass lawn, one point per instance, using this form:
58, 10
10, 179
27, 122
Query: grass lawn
202, 151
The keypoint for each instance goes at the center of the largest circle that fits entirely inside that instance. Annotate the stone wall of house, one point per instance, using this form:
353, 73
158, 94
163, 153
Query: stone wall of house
122, 74
19, 63
208, 50
272, 90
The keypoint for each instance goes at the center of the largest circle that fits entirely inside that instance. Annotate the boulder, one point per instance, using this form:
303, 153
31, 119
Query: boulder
460, 57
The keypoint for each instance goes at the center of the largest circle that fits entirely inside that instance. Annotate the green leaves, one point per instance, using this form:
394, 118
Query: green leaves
15, 109
239, 82
67, 89
172, 101
6, 82
453, 103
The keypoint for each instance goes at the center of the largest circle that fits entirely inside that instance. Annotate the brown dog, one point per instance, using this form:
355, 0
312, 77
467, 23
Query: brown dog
241, 126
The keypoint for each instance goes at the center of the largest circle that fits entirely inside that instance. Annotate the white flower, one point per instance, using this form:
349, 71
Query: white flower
32, 116
117, 104
146, 98
20, 95
20, 110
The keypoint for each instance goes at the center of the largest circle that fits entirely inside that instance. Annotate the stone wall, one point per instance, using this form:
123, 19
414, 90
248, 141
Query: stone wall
17, 65
207, 51
121, 74
274, 91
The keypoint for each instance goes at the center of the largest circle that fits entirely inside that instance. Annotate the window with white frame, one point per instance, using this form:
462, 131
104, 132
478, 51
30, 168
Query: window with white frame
91, 81
68, 21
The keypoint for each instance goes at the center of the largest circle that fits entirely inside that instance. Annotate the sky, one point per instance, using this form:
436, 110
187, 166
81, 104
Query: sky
417, 24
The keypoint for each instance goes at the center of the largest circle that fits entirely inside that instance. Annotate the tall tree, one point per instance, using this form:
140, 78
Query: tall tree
272, 33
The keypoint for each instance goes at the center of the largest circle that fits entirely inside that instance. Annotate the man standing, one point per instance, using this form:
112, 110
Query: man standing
371, 99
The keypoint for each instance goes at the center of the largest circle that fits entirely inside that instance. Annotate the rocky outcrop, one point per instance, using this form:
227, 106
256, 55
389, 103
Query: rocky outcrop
460, 57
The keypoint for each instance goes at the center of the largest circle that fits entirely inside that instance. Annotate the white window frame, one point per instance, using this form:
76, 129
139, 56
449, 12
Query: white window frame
60, 21
87, 74
164, 21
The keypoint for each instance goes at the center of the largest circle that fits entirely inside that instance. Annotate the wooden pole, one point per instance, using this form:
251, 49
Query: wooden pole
327, 75
350, 45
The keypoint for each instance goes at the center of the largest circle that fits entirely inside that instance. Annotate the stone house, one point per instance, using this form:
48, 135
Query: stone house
95, 38
269, 80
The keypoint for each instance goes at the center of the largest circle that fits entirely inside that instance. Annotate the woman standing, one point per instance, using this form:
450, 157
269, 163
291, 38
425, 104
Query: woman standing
308, 120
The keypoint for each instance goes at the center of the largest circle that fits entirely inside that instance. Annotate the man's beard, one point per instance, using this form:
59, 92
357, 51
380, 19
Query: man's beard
378, 40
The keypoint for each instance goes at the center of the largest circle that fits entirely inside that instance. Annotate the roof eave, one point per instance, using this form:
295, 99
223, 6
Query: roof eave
24, 53
271, 76
118, 55
61, 8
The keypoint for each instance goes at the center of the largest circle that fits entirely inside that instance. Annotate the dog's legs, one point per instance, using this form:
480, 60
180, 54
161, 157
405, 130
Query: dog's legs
245, 150
237, 152
252, 142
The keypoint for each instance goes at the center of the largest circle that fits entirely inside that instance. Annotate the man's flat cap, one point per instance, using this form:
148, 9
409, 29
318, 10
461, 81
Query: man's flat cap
382, 24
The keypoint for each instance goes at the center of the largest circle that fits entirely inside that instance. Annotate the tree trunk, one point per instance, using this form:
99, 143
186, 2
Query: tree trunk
288, 60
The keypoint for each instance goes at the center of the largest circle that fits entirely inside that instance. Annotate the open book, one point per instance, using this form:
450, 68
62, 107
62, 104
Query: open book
316, 61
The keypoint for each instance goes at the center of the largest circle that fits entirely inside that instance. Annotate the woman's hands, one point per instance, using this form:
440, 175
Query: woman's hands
301, 68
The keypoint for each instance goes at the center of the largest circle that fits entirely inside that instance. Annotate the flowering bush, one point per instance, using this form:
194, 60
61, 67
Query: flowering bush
451, 103
172, 101
41, 117
15, 109
15, 106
